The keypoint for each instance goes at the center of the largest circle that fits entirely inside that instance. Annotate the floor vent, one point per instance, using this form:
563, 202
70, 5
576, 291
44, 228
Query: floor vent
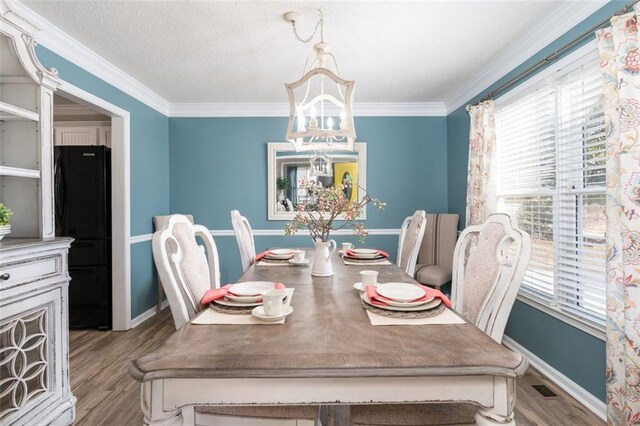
544, 391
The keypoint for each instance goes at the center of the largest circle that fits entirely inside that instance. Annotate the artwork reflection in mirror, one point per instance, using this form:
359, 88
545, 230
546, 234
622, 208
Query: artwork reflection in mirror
289, 168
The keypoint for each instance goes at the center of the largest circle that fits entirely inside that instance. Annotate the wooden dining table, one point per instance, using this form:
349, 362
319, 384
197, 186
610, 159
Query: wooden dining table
327, 352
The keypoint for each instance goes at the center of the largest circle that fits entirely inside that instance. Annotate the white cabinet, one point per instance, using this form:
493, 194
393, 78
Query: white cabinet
34, 278
34, 365
26, 149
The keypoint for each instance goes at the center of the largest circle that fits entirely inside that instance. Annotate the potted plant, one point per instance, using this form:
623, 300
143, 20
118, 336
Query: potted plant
282, 184
320, 216
5, 220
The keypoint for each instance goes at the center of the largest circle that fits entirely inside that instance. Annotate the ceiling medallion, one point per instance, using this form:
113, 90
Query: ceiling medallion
321, 103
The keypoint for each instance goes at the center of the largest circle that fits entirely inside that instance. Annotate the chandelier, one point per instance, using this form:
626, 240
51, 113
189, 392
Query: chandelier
321, 103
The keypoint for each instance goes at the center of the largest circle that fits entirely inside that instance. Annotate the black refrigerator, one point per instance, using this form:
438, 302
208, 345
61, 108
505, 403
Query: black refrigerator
83, 212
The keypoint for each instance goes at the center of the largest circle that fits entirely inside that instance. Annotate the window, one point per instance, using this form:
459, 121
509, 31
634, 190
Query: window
550, 175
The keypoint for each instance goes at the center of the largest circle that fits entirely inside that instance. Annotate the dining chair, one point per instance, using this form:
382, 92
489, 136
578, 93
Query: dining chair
489, 264
186, 273
244, 238
158, 223
435, 258
411, 234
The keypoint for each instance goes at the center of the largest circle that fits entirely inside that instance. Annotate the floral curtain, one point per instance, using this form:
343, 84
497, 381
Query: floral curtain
619, 47
482, 141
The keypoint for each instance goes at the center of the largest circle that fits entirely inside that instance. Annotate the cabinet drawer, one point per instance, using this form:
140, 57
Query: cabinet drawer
34, 269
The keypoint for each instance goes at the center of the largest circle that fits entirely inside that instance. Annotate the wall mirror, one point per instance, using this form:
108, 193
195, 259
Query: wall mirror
286, 168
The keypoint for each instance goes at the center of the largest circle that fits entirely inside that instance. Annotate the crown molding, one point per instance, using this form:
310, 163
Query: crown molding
56, 40
565, 18
361, 109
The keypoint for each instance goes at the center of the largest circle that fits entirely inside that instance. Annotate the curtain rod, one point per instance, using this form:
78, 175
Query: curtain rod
554, 56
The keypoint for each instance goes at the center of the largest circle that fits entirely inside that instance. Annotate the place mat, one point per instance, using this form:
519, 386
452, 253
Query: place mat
261, 263
210, 316
446, 317
366, 263
231, 310
403, 314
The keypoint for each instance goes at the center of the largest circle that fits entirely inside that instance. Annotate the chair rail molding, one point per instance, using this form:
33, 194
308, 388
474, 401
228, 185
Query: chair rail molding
271, 233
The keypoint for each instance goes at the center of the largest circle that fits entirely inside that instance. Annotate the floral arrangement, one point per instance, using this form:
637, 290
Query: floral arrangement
5, 215
320, 213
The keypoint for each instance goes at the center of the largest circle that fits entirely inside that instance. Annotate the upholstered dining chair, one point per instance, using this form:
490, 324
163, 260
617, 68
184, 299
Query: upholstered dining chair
435, 258
186, 273
244, 238
411, 234
489, 264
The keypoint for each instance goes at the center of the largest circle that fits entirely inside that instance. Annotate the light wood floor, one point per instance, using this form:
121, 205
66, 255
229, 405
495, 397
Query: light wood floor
107, 395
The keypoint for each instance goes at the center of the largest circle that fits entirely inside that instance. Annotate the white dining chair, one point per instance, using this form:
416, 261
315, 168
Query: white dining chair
244, 238
489, 264
186, 273
411, 234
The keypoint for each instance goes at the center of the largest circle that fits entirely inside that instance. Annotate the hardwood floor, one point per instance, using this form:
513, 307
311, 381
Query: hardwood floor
107, 395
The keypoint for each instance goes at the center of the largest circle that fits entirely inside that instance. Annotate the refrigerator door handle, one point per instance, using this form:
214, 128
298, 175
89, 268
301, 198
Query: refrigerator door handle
60, 190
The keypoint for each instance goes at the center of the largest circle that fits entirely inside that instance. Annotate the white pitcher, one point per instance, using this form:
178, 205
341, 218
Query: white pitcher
322, 259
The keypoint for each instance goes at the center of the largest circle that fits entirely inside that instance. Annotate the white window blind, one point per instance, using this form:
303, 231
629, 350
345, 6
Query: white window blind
550, 166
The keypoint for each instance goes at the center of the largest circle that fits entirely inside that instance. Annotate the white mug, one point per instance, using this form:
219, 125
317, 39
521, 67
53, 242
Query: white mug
272, 301
298, 255
368, 278
346, 246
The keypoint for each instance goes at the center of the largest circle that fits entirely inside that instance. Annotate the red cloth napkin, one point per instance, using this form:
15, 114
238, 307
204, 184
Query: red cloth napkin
215, 294
379, 300
261, 255
352, 253
219, 293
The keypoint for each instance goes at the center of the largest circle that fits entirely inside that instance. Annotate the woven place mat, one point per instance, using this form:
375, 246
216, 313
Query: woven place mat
233, 310
405, 315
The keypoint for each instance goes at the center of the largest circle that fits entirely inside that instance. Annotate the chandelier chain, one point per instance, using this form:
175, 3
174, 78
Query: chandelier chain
319, 24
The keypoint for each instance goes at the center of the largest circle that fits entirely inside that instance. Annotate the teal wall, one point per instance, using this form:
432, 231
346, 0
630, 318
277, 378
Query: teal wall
149, 151
578, 355
220, 164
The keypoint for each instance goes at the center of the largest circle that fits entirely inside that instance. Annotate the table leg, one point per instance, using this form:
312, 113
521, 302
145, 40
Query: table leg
504, 400
152, 406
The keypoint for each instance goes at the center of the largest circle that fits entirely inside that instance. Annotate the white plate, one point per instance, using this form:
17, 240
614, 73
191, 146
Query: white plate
251, 288
279, 254
244, 299
407, 304
400, 292
365, 251
364, 256
259, 313
430, 305
304, 262
227, 302
358, 286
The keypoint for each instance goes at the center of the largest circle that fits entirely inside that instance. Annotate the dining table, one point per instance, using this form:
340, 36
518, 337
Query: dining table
326, 353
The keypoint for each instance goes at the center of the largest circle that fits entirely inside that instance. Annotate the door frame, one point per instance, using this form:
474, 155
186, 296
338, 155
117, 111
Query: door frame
120, 200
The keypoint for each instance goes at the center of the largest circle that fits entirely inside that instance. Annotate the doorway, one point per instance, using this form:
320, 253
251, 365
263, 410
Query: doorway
116, 132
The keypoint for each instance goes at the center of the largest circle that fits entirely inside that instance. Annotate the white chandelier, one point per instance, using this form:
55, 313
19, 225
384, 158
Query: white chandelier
321, 103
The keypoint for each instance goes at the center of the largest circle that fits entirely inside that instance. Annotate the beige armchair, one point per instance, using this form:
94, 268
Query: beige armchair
435, 259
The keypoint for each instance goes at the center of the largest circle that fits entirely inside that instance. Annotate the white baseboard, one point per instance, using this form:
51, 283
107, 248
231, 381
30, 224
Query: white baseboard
147, 314
592, 403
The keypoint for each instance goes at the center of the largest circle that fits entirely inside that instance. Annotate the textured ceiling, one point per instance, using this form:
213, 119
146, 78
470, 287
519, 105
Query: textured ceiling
243, 51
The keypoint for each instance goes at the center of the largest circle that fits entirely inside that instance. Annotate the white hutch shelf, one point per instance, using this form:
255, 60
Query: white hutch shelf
34, 277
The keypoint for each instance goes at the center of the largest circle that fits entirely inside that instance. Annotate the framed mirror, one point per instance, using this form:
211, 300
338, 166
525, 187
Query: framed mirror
286, 168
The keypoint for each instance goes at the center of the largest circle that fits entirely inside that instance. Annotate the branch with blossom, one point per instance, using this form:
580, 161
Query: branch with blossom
323, 209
